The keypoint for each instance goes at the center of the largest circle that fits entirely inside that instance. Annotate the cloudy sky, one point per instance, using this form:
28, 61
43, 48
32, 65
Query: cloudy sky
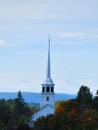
24, 29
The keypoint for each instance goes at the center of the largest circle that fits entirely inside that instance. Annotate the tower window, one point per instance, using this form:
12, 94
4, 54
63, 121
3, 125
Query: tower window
52, 89
48, 89
47, 98
43, 89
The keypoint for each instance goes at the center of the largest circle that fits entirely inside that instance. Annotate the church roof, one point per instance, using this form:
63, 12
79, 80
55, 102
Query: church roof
44, 111
47, 105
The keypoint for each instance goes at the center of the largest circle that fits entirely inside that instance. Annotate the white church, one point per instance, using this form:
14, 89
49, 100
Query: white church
47, 100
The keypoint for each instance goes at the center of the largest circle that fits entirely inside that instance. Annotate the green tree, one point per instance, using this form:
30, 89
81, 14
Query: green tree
84, 98
2, 101
22, 112
5, 115
95, 101
88, 120
19, 105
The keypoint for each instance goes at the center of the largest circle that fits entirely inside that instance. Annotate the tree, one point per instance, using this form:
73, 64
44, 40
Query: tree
2, 101
5, 114
19, 105
95, 101
66, 114
88, 120
22, 112
84, 97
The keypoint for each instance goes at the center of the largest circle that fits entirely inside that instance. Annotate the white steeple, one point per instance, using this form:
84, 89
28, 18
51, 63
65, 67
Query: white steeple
47, 94
47, 100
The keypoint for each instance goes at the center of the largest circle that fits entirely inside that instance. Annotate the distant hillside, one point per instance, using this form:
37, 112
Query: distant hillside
31, 97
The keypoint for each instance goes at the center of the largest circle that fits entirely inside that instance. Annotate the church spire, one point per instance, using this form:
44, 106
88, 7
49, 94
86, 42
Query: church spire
48, 79
48, 76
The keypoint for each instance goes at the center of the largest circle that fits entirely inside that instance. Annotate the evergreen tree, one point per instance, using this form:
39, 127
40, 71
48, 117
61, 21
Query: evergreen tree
19, 105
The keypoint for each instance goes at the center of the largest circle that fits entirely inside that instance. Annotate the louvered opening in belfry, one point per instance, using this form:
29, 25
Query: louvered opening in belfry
52, 89
43, 89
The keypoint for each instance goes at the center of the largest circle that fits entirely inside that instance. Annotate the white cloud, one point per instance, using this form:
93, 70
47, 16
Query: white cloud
76, 38
2, 43
78, 35
71, 35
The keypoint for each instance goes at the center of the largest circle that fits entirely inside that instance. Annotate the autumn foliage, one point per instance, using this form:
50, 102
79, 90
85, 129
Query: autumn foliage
80, 113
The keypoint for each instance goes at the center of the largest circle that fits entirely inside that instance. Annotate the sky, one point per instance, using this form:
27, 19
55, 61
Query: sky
24, 29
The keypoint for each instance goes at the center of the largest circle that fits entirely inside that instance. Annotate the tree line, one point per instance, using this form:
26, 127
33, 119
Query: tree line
80, 113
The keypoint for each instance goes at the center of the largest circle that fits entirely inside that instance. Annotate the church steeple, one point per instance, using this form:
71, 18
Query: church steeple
47, 100
47, 94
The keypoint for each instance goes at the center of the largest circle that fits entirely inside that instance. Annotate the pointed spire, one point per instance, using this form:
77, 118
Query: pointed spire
48, 76
48, 79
